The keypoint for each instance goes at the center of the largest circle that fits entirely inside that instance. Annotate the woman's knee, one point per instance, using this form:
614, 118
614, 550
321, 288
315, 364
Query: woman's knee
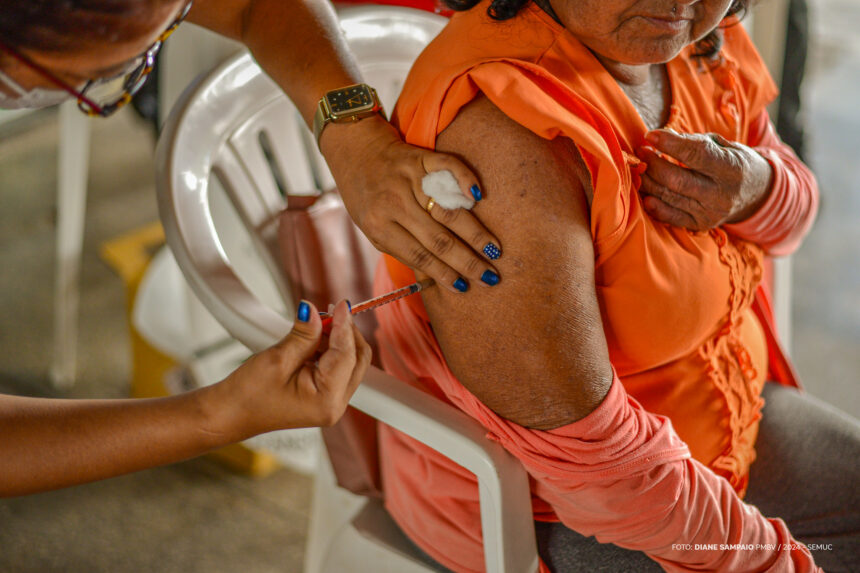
804, 425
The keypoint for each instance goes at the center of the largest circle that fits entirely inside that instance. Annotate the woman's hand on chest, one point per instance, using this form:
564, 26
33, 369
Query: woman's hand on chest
711, 181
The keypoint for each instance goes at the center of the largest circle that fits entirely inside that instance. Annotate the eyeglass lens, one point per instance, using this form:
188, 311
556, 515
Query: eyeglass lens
107, 91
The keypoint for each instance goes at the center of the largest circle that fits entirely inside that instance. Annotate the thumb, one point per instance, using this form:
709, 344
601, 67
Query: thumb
722, 141
304, 339
697, 151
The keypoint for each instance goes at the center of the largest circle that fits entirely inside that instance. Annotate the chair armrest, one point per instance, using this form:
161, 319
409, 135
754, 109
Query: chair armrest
506, 510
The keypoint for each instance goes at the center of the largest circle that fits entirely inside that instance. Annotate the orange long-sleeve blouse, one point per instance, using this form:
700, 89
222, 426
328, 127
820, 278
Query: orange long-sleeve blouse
676, 305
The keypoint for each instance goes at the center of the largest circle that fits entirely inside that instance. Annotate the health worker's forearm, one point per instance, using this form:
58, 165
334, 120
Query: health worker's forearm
47, 444
297, 42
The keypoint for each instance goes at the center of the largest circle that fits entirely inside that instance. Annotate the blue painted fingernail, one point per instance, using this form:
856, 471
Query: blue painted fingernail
461, 285
348, 305
304, 313
476, 192
490, 277
492, 251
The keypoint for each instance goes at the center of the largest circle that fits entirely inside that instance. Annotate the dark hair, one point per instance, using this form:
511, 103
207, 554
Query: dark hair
708, 47
58, 25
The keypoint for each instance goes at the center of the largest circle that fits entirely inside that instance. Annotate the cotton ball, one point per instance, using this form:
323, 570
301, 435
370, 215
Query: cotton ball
444, 189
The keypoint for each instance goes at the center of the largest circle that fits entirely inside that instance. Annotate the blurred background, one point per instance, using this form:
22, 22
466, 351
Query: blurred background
201, 516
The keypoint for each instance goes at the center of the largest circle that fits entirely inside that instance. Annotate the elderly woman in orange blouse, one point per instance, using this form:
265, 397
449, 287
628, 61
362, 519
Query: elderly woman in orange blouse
633, 176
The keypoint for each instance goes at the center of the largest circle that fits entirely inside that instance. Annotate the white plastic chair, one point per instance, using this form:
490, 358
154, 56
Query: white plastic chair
218, 128
73, 152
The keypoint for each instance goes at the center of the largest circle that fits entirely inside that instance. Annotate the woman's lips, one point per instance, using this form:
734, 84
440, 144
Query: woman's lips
668, 24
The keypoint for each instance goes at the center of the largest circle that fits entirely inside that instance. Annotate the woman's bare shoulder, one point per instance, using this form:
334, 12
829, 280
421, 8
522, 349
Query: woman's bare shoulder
483, 135
538, 332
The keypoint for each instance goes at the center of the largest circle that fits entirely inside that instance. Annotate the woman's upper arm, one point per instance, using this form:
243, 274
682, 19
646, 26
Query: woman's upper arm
531, 348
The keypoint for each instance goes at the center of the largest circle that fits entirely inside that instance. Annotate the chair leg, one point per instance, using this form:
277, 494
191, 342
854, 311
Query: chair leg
348, 532
332, 508
74, 151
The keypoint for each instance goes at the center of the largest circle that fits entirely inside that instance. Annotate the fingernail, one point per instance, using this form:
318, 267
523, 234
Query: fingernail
476, 192
304, 313
490, 277
348, 305
461, 285
652, 136
492, 251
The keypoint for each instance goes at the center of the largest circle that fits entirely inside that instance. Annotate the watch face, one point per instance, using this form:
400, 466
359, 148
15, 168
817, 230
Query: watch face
350, 99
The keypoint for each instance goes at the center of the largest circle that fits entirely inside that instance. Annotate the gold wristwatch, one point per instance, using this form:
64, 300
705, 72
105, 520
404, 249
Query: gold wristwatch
350, 103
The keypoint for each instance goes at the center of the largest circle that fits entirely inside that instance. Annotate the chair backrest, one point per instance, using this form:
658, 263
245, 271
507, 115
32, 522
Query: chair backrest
235, 129
256, 146
240, 133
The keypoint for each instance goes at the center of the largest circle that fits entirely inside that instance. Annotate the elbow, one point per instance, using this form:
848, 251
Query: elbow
549, 406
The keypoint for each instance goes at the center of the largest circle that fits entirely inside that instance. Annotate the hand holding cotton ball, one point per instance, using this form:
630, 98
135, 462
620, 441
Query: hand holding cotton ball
442, 187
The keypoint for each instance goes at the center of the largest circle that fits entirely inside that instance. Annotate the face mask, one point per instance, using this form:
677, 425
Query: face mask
34, 99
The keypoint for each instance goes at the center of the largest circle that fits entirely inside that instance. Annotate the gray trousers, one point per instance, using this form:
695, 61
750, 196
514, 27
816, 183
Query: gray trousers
807, 472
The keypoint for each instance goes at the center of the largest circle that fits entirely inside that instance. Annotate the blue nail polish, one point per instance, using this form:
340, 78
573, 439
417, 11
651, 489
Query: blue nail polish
461, 285
304, 313
476, 192
490, 277
349, 305
492, 251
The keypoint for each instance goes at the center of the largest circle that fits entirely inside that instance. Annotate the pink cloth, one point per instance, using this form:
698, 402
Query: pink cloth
782, 222
621, 474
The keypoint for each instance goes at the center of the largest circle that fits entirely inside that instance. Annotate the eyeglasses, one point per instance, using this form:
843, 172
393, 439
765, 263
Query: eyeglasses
103, 97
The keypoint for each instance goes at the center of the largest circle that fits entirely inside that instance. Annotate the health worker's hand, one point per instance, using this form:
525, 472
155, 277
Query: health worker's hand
292, 385
711, 181
379, 177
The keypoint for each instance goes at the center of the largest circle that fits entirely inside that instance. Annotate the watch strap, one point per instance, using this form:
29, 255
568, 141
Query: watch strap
321, 119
